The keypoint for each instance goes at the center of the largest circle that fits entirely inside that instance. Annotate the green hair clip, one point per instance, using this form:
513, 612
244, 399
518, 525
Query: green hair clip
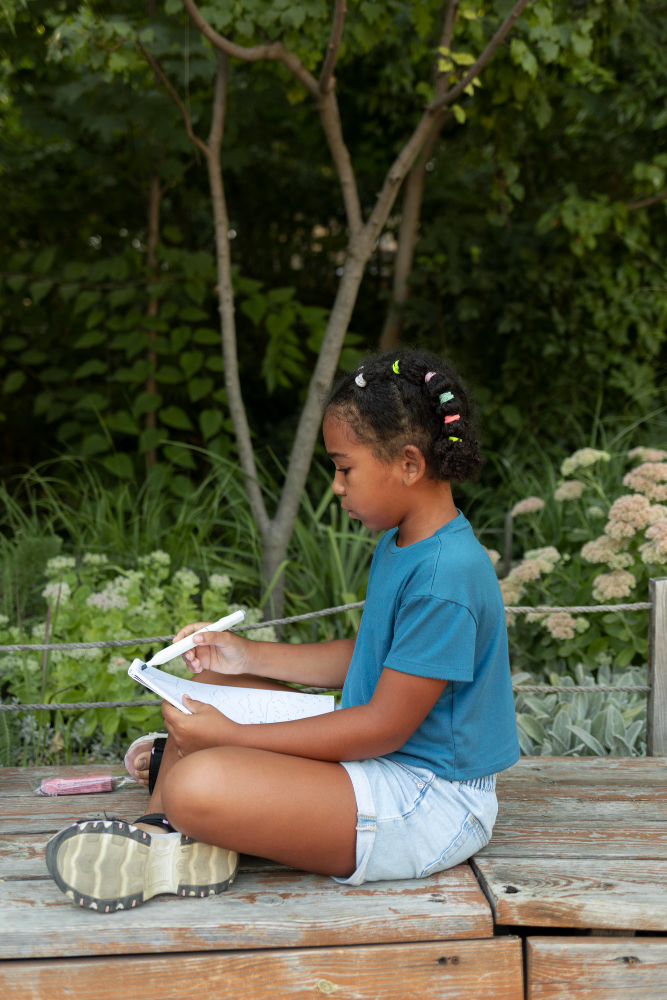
394, 367
455, 439
445, 397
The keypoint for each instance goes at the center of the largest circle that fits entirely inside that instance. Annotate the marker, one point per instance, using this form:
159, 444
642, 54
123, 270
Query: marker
178, 648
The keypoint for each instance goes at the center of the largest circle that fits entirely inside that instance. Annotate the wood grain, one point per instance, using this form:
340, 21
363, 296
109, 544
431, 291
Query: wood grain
477, 970
656, 716
601, 804
548, 892
514, 838
261, 910
574, 968
584, 770
48, 814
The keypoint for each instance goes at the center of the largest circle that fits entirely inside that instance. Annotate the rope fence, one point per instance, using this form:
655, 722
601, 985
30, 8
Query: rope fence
150, 640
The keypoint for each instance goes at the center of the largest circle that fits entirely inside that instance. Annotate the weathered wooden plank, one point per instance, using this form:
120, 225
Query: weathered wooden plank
585, 770
261, 910
513, 838
547, 892
584, 803
478, 970
656, 715
575, 968
48, 814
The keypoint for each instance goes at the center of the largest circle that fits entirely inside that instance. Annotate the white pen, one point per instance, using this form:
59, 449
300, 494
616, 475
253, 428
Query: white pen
178, 648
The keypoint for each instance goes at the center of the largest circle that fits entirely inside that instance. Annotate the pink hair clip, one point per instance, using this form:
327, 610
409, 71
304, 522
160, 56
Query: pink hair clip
429, 375
450, 420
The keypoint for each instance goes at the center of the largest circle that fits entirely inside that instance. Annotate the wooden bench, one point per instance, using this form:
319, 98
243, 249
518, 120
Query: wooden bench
575, 879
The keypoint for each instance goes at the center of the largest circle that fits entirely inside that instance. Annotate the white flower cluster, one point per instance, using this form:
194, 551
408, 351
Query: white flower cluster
562, 625
534, 563
114, 595
528, 506
571, 489
582, 459
4, 620
59, 565
493, 555
219, 583
155, 560
94, 559
654, 551
57, 593
186, 580
610, 586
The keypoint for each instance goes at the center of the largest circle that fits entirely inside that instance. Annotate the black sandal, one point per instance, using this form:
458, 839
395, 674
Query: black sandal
156, 819
155, 761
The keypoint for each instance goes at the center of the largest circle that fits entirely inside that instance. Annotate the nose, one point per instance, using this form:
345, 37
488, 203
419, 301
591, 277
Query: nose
338, 486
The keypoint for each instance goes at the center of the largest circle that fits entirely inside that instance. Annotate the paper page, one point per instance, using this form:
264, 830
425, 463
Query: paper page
242, 705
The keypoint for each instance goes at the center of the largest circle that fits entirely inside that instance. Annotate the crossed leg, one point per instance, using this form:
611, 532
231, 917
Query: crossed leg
293, 810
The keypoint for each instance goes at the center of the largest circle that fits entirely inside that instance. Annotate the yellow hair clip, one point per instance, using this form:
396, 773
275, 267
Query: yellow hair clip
394, 367
455, 439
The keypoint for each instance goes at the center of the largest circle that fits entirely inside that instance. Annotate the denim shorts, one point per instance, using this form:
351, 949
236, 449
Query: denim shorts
411, 823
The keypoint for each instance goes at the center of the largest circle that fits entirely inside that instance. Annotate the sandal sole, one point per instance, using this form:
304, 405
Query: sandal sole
109, 865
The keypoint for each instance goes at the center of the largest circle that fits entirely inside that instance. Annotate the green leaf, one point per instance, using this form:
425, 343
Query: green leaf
179, 456
122, 422
169, 375
146, 402
191, 314
39, 289
91, 367
254, 308
13, 343
94, 444
204, 335
199, 387
459, 113
191, 362
16, 282
86, 300
214, 363
210, 422
13, 382
532, 728
120, 465
150, 438
174, 416
43, 262
54, 374
32, 357
588, 740
90, 339
463, 58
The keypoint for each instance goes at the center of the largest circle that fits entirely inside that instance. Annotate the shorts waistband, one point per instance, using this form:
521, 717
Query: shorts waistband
485, 784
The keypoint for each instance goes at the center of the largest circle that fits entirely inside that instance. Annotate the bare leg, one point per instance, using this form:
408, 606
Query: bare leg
290, 809
210, 677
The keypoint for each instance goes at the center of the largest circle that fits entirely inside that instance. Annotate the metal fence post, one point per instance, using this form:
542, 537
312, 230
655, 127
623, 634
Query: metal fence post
656, 717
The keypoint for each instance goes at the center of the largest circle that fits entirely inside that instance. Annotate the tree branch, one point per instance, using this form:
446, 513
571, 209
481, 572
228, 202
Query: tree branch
477, 68
219, 104
448, 25
646, 201
329, 64
157, 69
327, 104
275, 51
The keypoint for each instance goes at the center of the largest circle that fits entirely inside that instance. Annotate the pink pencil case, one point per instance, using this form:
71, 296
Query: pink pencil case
85, 784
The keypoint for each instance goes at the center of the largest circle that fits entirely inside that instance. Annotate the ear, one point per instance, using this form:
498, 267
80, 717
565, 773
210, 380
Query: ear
413, 465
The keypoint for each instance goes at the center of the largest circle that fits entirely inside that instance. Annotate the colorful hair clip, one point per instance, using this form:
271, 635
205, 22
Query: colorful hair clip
361, 381
445, 397
450, 420
429, 375
394, 367
455, 439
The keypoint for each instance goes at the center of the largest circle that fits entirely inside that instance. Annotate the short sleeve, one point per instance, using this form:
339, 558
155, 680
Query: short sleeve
433, 638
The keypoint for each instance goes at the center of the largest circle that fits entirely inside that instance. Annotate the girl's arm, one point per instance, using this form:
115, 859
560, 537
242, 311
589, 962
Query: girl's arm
399, 705
320, 664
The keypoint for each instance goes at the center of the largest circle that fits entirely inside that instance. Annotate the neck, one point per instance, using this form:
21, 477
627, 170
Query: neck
433, 508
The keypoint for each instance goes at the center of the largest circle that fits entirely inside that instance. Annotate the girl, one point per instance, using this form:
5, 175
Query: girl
399, 783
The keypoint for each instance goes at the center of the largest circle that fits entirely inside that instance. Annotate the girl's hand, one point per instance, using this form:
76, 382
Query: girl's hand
224, 652
205, 728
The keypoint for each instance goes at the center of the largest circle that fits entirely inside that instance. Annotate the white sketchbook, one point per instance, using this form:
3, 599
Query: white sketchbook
243, 705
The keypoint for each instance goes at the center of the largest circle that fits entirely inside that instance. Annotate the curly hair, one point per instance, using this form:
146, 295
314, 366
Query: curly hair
409, 396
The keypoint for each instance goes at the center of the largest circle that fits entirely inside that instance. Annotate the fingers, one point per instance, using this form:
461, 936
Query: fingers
192, 662
188, 630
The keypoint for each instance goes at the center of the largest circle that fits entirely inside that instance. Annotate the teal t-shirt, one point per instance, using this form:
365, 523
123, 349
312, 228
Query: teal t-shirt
434, 609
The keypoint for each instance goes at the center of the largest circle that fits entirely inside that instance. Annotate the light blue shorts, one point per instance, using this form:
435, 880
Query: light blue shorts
411, 823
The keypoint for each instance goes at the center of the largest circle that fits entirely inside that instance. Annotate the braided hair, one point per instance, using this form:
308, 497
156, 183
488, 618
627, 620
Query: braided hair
409, 396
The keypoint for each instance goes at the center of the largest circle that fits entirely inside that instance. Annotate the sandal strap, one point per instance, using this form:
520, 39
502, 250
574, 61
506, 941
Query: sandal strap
156, 819
155, 760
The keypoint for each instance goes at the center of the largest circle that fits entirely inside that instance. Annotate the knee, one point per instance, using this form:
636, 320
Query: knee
192, 788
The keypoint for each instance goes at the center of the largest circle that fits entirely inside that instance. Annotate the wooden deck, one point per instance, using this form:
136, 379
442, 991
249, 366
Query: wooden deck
574, 881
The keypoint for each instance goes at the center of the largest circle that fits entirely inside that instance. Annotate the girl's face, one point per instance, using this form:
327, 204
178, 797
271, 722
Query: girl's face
372, 491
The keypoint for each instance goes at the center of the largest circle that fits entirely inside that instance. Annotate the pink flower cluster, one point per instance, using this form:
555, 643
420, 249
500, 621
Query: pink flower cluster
650, 479
601, 549
654, 551
628, 515
493, 555
609, 586
571, 489
648, 454
532, 566
528, 506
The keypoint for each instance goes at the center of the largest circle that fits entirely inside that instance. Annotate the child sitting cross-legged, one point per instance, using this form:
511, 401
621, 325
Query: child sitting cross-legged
400, 782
